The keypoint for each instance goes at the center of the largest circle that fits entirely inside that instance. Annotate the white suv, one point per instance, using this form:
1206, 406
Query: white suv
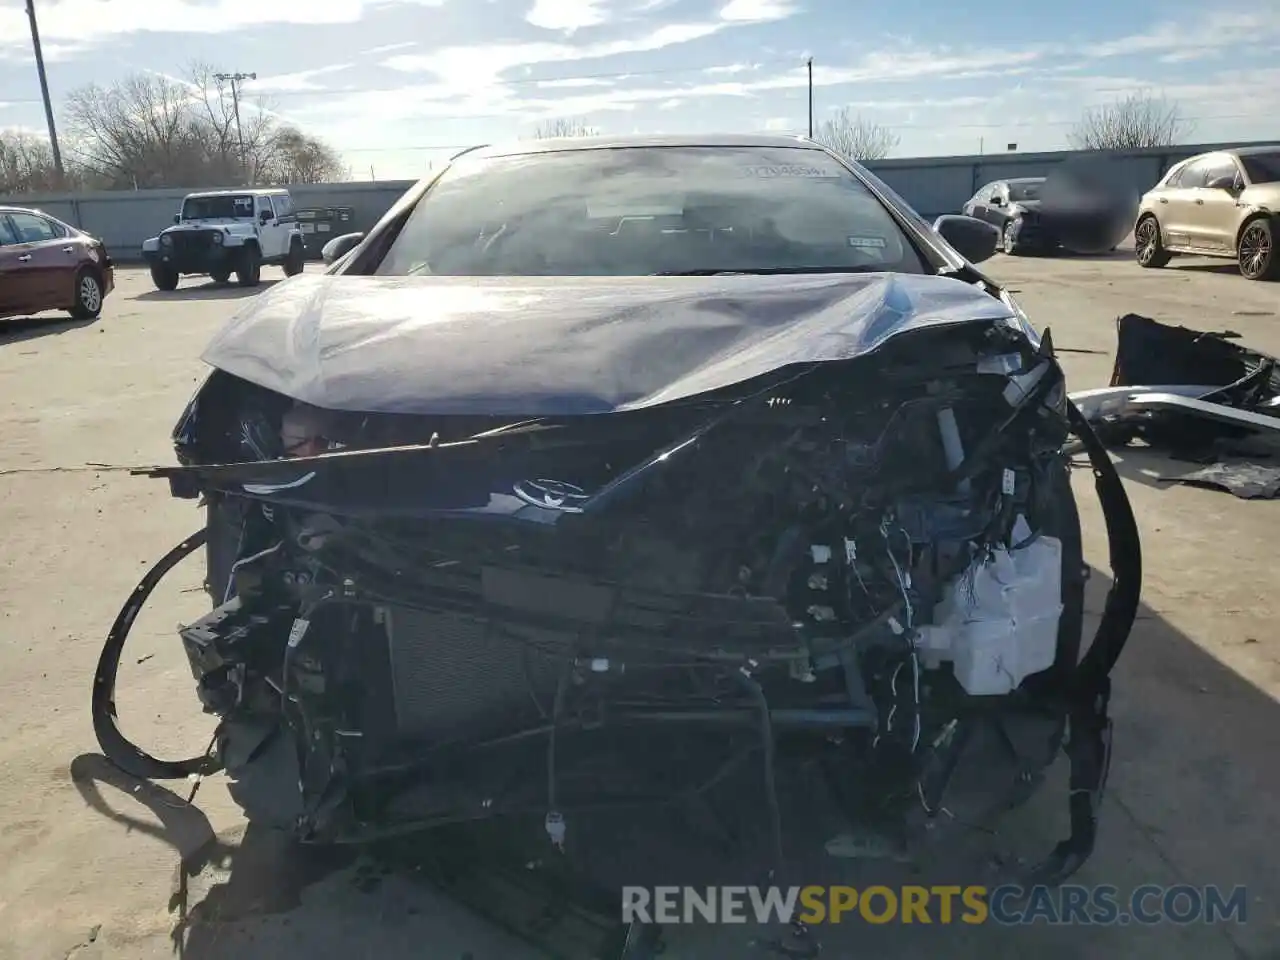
221, 232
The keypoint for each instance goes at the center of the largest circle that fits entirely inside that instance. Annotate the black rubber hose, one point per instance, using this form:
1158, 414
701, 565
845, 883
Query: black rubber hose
130, 758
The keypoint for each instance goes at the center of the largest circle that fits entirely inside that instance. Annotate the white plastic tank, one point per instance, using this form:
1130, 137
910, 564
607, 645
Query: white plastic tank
998, 622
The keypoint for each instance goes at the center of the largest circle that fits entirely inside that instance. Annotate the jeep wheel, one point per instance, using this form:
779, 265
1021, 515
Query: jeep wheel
165, 278
249, 269
220, 276
296, 261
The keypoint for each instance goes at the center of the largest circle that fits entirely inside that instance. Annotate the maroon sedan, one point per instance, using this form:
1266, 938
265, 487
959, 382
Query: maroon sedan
46, 264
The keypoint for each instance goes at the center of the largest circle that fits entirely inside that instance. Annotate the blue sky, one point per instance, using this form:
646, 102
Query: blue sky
399, 84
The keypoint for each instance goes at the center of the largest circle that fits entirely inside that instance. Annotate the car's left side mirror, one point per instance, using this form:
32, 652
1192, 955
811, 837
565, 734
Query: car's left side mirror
974, 239
1222, 183
177, 218
264, 217
339, 247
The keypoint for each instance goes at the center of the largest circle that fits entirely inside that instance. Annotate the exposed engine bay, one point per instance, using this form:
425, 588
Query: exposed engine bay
423, 621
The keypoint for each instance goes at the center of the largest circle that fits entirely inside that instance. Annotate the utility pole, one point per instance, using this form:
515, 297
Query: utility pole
235, 79
44, 91
810, 65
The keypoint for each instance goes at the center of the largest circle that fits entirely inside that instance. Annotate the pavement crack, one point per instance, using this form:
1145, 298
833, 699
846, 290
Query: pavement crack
91, 939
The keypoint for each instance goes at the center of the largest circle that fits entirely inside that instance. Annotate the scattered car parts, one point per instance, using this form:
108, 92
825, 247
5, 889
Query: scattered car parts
1231, 406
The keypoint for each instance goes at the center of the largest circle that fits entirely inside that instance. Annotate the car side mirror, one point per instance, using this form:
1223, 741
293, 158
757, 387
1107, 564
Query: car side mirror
996, 201
177, 218
974, 239
339, 247
264, 217
1222, 183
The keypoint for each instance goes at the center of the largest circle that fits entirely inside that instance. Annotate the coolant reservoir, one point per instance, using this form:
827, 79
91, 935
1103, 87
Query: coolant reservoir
998, 622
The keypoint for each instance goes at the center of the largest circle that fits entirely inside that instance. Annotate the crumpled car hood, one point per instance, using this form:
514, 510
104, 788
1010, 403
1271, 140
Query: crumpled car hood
547, 346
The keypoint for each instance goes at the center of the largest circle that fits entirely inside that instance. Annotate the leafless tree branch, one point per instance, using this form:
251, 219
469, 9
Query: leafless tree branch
564, 127
151, 131
856, 138
1132, 122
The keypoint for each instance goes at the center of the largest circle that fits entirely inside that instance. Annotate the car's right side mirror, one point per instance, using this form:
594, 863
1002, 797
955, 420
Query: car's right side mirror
1227, 183
974, 239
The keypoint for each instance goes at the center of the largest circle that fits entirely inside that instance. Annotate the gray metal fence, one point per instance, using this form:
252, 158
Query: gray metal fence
933, 185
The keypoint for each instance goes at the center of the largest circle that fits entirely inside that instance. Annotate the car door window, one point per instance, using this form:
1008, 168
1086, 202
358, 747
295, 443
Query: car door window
264, 203
33, 229
1220, 169
283, 207
7, 235
1195, 174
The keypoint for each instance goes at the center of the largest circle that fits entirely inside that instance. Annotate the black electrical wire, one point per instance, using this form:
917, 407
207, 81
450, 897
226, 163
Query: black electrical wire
770, 780
117, 748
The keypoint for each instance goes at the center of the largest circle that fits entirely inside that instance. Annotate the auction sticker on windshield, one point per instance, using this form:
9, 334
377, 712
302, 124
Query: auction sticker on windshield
867, 243
777, 171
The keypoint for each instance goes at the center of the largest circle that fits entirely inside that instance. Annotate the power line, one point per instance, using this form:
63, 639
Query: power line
235, 79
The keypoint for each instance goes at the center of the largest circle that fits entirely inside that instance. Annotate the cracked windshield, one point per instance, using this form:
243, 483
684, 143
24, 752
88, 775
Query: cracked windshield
636, 479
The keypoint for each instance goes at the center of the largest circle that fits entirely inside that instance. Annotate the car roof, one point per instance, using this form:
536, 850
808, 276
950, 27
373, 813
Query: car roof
1025, 180
273, 191
1254, 151
8, 209
564, 144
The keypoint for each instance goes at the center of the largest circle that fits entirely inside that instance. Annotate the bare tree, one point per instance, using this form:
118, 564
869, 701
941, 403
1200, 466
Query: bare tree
151, 131
1130, 123
296, 157
856, 138
137, 132
564, 127
26, 164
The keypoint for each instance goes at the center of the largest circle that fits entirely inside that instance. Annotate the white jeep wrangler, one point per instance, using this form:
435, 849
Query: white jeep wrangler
221, 232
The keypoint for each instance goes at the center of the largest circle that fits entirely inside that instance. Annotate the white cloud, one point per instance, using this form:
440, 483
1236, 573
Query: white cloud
91, 21
479, 66
389, 47
1218, 29
566, 15
293, 82
732, 68
569, 83
757, 11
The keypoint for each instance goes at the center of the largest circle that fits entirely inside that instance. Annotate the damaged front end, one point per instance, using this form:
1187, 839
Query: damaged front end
865, 564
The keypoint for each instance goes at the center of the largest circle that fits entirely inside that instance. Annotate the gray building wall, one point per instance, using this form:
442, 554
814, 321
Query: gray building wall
933, 185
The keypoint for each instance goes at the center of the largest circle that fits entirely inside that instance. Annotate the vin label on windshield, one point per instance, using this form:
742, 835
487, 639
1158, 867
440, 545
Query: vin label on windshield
867, 243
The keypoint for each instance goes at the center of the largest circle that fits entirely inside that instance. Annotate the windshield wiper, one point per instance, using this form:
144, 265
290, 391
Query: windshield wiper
770, 271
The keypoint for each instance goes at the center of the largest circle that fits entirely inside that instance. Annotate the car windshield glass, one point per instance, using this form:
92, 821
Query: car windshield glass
648, 210
1025, 191
211, 208
1262, 167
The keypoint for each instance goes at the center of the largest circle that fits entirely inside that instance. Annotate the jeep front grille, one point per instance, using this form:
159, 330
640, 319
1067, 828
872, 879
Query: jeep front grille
192, 242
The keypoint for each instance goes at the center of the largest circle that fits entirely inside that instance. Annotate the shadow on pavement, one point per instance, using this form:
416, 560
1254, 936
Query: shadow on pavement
1224, 267
208, 291
18, 329
1191, 800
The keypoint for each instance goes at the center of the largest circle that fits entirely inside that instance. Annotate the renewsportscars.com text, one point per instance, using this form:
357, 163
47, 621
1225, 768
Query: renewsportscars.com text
1067, 905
